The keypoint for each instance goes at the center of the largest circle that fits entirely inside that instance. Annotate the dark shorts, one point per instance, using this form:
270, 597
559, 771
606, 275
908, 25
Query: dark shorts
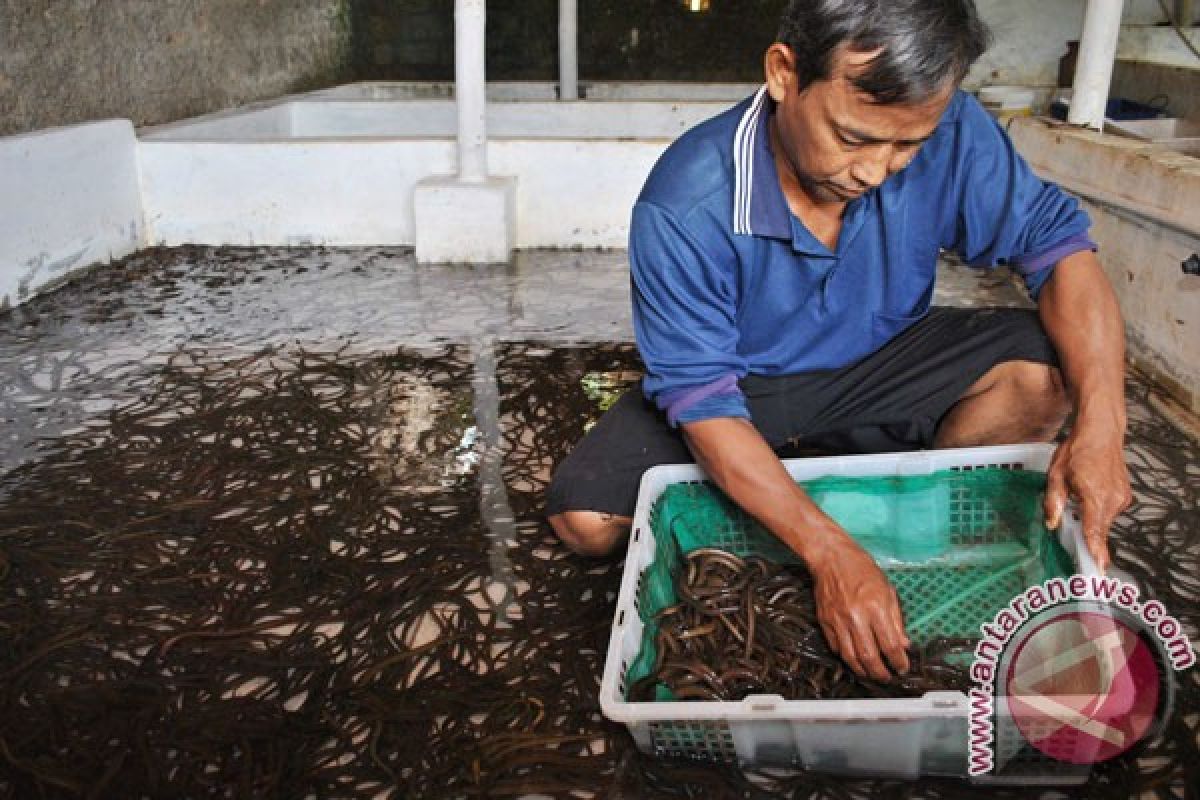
893, 400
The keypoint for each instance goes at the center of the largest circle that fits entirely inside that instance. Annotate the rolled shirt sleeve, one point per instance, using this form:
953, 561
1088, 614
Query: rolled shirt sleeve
684, 318
1007, 214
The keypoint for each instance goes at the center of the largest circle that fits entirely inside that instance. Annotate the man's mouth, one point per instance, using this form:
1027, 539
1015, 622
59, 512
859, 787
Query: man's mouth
843, 193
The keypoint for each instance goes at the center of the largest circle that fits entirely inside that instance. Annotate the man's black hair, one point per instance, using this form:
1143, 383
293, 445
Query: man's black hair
925, 45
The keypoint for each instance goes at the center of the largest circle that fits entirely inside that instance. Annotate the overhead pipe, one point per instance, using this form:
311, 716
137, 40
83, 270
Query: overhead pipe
1094, 68
568, 50
470, 89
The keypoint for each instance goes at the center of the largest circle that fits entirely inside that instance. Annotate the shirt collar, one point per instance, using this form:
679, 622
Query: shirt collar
759, 207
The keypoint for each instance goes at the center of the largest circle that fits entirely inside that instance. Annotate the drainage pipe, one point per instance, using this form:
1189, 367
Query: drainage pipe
1093, 71
470, 89
568, 50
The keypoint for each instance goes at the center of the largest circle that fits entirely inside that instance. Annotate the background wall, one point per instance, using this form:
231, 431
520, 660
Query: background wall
1028, 39
154, 61
66, 61
618, 39
662, 40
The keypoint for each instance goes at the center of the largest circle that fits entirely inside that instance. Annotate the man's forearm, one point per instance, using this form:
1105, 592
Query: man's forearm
1081, 316
856, 606
739, 460
1080, 313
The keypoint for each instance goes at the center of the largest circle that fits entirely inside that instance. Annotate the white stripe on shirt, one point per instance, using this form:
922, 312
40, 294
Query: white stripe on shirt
743, 163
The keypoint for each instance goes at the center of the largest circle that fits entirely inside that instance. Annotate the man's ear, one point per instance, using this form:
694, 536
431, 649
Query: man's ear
779, 64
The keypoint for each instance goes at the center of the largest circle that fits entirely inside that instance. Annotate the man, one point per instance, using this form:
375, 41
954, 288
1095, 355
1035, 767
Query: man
783, 259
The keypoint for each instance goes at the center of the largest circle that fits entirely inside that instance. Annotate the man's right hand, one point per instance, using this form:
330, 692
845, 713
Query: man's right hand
858, 609
856, 605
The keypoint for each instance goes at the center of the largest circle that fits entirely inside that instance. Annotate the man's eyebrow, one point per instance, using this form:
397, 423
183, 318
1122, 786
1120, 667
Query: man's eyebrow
867, 138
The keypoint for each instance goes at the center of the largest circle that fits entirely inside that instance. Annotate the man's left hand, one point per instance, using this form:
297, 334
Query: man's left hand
1091, 469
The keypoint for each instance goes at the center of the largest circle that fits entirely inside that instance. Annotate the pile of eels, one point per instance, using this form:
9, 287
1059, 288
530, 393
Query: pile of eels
749, 626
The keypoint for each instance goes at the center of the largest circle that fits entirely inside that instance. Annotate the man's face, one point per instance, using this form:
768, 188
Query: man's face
835, 143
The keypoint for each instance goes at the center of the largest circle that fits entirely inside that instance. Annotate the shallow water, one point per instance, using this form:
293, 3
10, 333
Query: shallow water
270, 526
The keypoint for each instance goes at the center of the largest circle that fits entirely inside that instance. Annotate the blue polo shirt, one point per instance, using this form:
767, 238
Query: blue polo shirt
727, 282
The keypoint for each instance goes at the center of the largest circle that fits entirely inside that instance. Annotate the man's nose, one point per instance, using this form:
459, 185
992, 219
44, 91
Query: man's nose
877, 164
872, 168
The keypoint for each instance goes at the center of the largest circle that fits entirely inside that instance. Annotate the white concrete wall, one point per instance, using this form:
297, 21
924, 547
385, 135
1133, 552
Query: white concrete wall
539, 120
570, 193
1159, 45
346, 171
409, 118
286, 193
506, 91
575, 193
69, 198
429, 118
260, 121
501, 91
728, 93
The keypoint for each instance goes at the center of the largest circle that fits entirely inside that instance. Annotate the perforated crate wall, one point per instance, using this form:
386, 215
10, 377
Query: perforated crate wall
994, 553
702, 740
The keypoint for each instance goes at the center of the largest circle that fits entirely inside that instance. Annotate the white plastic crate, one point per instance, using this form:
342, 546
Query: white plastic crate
900, 737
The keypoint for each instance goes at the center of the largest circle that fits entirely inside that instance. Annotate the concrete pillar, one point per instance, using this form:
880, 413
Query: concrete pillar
1093, 70
469, 217
568, 50
470, 89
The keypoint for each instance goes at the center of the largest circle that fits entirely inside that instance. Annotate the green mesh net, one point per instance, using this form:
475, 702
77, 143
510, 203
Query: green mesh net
957, 545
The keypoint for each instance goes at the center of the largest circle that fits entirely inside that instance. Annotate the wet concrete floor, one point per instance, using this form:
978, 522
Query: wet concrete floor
270, 526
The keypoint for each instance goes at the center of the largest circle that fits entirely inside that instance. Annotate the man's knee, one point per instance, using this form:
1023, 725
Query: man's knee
1033, 395
1042, 392
590, 533
1016, 401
